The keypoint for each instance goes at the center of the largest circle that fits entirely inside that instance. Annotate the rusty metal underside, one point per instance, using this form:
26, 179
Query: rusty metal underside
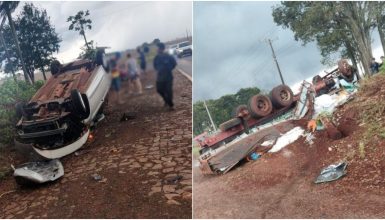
232, 154
60, 86
225, 159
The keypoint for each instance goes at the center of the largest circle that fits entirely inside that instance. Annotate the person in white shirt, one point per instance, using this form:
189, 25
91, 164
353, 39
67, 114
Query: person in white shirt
133, 74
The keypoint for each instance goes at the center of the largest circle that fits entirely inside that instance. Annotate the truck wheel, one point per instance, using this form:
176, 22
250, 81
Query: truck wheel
281, 96
78, 105
260, 106
242, 111
229, 124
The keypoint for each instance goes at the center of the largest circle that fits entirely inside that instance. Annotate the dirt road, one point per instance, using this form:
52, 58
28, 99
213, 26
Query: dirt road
145, 165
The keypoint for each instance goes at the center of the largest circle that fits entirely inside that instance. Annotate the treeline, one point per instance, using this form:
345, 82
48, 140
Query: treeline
343, 27
221, 109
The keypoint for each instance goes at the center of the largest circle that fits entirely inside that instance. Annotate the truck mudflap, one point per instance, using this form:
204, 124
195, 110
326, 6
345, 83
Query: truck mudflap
38, 172
223, 159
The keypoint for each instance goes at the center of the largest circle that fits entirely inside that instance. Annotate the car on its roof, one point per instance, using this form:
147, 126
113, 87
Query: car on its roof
57, 119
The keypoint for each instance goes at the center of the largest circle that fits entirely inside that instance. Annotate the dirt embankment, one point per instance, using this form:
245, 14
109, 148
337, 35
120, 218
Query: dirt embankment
145, 165
281, 185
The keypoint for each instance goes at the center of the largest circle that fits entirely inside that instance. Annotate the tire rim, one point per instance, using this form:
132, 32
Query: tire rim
261, 104
284, 95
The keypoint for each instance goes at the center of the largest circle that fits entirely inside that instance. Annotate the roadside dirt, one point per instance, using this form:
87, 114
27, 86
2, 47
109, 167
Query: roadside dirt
281, 185
145, 165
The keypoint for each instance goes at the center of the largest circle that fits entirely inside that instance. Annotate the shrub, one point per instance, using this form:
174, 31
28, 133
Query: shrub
12, 92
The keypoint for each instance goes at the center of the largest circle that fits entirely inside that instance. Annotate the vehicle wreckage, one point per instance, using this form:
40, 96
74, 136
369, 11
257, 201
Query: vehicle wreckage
256, 127
57, 120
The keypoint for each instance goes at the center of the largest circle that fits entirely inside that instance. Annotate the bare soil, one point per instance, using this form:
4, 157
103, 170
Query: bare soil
281, 185
145, 165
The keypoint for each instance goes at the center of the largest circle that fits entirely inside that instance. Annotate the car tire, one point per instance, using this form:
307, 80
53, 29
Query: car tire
239, 109
79, 106
281, 96
20, 110
260, 106
229, 124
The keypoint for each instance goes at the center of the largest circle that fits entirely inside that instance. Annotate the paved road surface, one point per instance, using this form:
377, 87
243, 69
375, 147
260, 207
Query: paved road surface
185, 64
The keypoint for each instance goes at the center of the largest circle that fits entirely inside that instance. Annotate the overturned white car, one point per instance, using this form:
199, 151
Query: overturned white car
57, 120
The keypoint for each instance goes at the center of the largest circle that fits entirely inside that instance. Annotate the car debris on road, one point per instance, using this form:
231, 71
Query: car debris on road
332, 172
38, 172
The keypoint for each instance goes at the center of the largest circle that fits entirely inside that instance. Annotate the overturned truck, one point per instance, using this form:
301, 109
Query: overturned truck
257, 126
253, 126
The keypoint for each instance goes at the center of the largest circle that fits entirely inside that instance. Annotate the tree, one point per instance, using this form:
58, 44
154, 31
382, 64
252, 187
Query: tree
221, 109
6, 9
38, 39
80, 23
156, 41
8, 64
88, 52
335, 26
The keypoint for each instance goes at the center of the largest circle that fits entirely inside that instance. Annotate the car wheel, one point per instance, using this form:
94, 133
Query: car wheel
20, 110
260, 106
229, 124
78, 104
281, 96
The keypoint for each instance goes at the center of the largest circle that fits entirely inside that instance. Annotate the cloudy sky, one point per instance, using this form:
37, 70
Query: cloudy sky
231, 52
119, 25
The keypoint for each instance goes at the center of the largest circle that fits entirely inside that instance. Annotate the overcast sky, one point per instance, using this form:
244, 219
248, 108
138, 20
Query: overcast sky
231, 52
119, 25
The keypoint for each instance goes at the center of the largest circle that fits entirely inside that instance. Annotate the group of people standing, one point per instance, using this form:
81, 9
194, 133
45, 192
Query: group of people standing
124, 68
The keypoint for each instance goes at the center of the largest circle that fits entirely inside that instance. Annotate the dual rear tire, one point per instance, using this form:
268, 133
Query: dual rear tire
262, 105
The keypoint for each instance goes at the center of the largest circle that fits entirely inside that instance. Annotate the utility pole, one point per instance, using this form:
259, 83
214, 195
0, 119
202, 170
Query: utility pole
276, 62
211, 120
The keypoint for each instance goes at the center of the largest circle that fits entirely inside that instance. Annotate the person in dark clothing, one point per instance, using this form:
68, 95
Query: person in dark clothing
374, 66
164, 64
142, 60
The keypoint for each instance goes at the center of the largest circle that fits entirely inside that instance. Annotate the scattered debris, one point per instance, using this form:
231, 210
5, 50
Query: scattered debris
96, 177
309, 137
38, 172
332, 172
128, 116
253, 156
173, 179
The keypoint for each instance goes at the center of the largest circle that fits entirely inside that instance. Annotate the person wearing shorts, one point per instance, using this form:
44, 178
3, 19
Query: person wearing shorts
116, 81
133, 74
